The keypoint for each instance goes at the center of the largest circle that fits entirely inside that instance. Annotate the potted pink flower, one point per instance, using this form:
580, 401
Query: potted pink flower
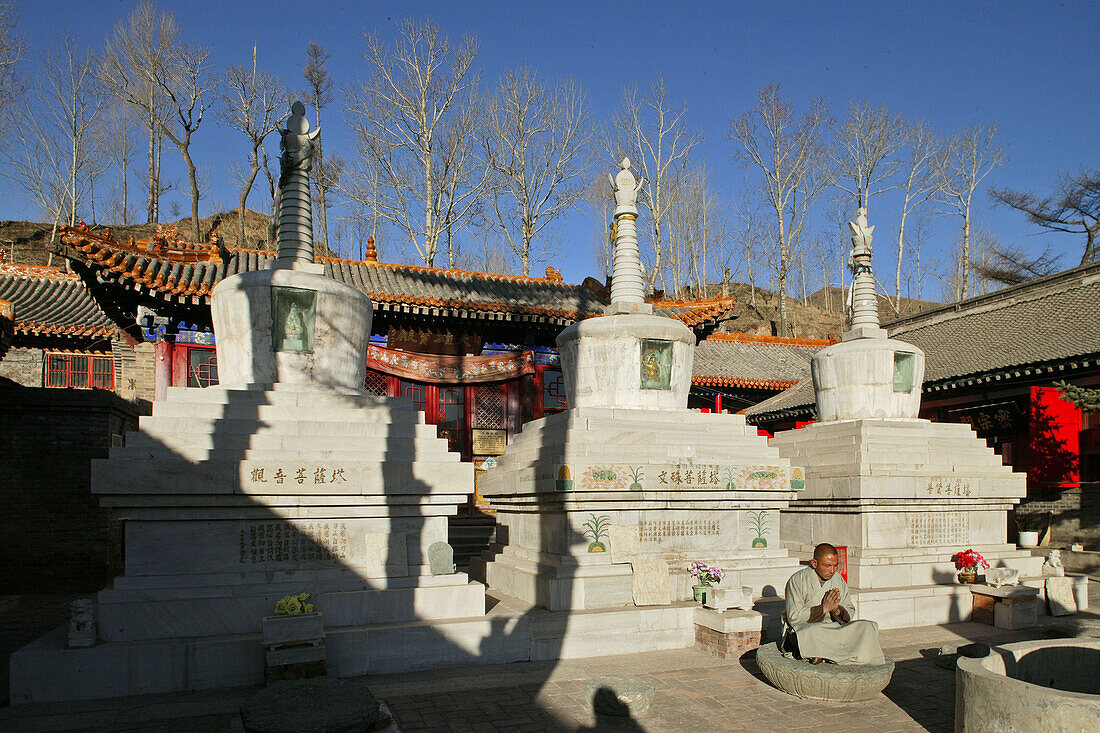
967, 563
704, 575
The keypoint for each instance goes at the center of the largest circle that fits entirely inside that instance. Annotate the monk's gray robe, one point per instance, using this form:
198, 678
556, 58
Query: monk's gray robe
855, 642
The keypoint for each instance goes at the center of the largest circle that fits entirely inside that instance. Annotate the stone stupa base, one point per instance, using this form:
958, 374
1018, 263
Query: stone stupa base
606, 508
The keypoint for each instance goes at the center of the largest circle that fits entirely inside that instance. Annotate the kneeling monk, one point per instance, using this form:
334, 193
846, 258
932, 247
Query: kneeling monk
819, 615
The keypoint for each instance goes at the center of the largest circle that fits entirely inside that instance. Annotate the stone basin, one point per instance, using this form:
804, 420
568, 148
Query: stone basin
1049, 685
828, 682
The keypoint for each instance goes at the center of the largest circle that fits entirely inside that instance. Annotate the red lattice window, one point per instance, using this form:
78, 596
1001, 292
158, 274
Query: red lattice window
80, 371
418, 393
451, 405
202, 368
553, 391
490, 407
376, 383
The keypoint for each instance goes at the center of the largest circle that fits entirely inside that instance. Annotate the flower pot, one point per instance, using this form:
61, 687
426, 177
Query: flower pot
968, 576
302, 628
700, 592
1028, 539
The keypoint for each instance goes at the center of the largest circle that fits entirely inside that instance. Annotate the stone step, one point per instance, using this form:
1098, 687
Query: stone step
288, 413
193, 444
170, 426
297, 395
235, 476
276, 448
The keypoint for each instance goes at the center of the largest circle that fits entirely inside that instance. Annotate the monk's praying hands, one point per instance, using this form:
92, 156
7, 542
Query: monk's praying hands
830, 602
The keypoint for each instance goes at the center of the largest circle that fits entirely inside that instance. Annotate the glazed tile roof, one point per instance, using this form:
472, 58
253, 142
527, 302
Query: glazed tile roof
50, 302
755, 362
1056, 318
174, 271
1028, 329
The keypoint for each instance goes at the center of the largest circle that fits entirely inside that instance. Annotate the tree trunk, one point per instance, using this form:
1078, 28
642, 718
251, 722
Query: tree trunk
964, 264
323, 182
247, 189
154, 183
901, 249
192, 178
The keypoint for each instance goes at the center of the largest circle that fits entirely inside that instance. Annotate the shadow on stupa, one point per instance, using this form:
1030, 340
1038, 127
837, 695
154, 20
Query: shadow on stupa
232, 499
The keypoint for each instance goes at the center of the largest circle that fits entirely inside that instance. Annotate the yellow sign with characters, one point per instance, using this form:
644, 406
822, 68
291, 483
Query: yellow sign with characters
489, 442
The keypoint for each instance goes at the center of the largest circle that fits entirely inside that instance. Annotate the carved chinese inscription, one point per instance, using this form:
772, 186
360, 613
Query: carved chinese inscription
655, 531
283, 542
939, 528
949, 487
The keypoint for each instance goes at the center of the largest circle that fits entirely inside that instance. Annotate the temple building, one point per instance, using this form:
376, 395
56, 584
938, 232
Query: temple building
992, 362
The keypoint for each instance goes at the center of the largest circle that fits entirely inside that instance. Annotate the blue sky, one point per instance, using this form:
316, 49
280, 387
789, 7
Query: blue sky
1029, 68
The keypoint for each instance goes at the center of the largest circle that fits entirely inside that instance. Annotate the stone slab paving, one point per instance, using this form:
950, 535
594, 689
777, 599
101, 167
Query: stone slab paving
694, 691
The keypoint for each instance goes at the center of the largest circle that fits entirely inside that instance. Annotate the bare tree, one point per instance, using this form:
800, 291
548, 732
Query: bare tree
135, 58
188, 87
116, 141
866, 151
70, 98
253, 103
1074, 207
52, 156
655, 136
318, 93
1008, 264
398, 116
598, 196
11, 49
696, 229
970, 157
921, 184
537, 151
789, 154
464, 176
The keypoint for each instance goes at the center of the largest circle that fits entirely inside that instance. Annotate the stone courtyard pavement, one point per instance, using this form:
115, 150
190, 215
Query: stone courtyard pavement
694, 691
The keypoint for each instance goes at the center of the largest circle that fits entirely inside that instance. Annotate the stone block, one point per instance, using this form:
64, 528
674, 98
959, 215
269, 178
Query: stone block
997, 577
723, 599
619, 695
317, 704
1060, 596
651, 583
1019, 613
300, 654
304, 628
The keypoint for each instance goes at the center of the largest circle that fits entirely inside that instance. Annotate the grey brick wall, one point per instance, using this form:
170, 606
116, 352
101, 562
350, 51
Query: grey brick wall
53, 534
23, 366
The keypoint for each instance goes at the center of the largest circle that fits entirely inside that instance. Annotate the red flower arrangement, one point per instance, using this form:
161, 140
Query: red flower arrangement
969, 560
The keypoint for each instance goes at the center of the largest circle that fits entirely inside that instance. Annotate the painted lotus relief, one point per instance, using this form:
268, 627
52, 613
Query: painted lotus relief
605, 478
755, 478
798, 479
565, 479
596, 530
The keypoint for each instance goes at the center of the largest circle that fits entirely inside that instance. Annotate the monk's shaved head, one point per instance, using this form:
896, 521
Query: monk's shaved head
823, 551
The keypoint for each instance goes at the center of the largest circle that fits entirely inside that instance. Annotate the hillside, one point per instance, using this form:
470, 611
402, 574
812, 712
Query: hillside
756, 312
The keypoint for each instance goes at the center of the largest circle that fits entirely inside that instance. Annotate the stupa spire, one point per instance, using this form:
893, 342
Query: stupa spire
627, 282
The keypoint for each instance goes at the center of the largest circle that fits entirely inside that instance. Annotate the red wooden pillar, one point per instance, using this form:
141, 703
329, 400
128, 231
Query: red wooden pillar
162, 373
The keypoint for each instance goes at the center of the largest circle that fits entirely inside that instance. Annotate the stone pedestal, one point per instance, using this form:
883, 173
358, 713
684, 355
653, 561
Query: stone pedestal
903, 495
230, 500
605, 508
252, 316
640, 361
